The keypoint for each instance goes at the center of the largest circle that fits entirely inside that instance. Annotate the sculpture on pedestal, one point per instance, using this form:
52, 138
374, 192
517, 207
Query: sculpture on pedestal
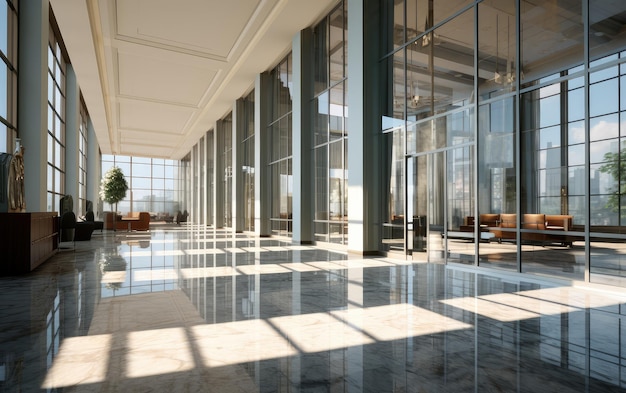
17, 202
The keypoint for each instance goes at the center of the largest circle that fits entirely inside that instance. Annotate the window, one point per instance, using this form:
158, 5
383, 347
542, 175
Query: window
82, 160
56, 123
281, 152
8, 73
225, 153
331, 135
153, 185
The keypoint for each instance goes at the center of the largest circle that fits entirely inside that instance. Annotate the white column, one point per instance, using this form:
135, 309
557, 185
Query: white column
364, 143
237, 197
32, 116
205, 181
210, 177
302, 138
195, 190
72, 124
94, 170
218, 175
262, 175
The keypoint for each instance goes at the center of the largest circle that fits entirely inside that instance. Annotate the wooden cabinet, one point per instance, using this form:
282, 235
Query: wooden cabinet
27, 240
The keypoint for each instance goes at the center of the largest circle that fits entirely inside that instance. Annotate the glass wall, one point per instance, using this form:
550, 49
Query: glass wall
607, 169
210, 178
429, 121
516, 164
153, 185
329, 125
8, 73
185, 185
552, 190
497, 181
225, 154
279, 130
201, 169
497, 152
394, 128
551, 38
56, 123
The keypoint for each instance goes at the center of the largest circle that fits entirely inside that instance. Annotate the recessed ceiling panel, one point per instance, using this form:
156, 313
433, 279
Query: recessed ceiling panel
147, 116
141, 150
148, 138
210, 26
162, 79
157, 74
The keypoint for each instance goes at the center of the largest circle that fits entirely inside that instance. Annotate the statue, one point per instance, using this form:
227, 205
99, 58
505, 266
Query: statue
17, 203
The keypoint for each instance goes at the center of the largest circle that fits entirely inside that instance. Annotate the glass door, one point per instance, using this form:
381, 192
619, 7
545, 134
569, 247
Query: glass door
440, 206
426, 207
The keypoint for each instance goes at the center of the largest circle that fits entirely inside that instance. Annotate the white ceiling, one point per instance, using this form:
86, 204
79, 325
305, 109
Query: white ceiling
157, 74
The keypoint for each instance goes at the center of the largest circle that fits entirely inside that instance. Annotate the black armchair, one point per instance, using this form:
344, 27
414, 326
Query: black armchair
96, 224
68, 228
181, 217
72, 230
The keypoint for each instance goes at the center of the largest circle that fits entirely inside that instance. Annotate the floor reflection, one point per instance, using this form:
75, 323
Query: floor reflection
192, 309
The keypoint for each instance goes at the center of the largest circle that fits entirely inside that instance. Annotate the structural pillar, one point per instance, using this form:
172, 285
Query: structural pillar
365, 185
237, 198
262, 185
32, 115
218, 175
94, 170
205, 219
210, 177
72, 126
302, 138
195, 189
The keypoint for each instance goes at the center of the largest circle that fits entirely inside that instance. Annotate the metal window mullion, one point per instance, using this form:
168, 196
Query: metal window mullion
474, 147
517, 150
328, 161
587, 277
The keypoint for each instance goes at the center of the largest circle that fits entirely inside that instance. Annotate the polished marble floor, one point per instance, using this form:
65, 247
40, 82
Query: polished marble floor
196, 310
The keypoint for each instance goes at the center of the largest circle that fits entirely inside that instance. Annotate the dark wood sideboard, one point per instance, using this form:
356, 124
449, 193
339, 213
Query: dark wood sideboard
27, 240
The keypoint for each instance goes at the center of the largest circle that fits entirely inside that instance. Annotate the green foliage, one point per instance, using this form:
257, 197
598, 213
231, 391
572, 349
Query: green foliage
616, 167
113, 186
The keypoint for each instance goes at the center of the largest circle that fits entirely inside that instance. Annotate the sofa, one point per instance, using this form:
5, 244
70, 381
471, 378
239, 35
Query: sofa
134, 221
504, 227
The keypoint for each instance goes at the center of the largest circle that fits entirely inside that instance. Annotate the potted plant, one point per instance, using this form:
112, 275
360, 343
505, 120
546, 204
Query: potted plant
113, 189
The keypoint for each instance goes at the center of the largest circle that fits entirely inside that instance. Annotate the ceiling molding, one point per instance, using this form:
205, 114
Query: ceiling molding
164, 88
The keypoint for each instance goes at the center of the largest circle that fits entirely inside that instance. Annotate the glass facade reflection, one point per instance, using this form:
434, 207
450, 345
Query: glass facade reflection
248, 167
225, 155
329, 125
279, 132
500, 135
507, 131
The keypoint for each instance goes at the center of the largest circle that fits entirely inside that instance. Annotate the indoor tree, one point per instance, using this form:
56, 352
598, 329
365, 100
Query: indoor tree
113, 188
615, 165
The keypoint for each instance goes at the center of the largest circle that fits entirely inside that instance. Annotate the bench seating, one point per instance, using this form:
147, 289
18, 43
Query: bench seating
504, 227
